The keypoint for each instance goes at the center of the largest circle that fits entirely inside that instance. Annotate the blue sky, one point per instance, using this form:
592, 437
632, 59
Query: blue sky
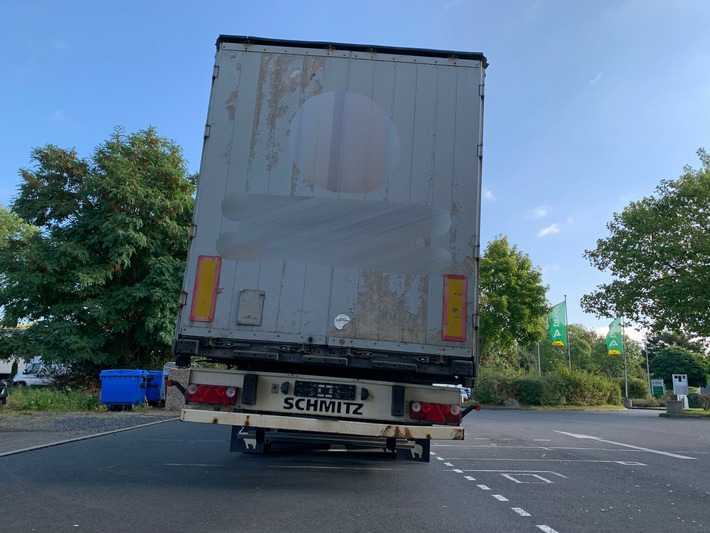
589, 104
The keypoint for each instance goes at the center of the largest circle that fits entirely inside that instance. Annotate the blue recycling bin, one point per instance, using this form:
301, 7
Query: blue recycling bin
155, 387
123, 388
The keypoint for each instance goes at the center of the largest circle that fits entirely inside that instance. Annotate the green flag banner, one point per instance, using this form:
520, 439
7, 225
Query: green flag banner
557, 325
614, 344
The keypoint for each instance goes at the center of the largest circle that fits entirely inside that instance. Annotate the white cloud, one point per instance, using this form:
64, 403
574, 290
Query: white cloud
632, 333
488, 195
551, 267
58, 116
596, 79
539, 212
549, 230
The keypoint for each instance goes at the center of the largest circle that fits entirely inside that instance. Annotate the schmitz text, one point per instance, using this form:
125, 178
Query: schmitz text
318, 405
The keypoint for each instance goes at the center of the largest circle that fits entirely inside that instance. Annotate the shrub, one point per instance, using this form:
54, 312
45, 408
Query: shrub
48, 399
638, 388
562, 387
584, 388
495, 385
694, 401
705, 401
531, 390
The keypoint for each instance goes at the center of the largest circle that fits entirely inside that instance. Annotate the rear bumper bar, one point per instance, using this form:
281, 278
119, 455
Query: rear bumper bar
318, 425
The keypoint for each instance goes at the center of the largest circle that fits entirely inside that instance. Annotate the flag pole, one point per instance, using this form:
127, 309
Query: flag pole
569, 354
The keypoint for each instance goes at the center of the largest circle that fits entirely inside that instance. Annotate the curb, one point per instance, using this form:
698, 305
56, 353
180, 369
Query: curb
85, 437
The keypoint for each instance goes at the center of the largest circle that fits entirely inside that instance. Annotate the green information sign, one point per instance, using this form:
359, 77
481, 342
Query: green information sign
657, 388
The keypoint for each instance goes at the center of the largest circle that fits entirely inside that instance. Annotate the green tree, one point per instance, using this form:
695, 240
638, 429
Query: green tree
677, 360
99, 279
13, 228
613, 365
552, 357
663, 339
659, 254
580, 353
513, 303
580, 340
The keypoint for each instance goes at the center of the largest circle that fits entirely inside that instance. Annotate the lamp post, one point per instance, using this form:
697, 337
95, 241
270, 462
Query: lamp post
648, 372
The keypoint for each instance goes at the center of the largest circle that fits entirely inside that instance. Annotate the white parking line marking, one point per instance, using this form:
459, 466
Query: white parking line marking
448, 464
470, 478
483, 487
630, 463
521, 512
440, 458
500, 498
458, 471
578, 436
513, 478
550, 472
546, 529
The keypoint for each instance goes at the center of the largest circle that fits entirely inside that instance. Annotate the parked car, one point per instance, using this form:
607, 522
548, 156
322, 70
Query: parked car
37, 373
465, 392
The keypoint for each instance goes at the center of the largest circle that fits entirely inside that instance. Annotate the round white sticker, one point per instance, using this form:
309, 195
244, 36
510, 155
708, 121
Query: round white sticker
341, 321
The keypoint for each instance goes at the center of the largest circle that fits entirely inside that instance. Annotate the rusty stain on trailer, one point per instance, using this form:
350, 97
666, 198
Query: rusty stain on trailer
231, 105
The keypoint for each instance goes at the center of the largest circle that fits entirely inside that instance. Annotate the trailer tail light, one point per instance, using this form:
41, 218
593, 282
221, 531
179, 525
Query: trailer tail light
441, 413
211, 394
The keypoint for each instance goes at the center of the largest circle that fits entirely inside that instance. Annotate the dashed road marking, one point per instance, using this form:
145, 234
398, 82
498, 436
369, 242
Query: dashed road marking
508, 474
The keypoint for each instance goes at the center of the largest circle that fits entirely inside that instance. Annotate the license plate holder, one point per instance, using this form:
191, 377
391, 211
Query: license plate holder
331, 391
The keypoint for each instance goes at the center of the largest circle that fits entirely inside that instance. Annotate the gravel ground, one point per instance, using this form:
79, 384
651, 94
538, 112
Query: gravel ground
20, 431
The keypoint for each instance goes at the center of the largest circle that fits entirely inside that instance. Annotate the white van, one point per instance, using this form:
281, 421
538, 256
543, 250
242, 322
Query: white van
6, 367
36, 373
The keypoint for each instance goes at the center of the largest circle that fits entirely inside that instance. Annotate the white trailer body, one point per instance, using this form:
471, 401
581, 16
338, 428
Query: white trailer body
336, 227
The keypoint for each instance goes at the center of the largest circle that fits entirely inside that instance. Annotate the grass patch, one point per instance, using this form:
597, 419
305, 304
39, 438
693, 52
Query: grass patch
49, 399
696, 412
